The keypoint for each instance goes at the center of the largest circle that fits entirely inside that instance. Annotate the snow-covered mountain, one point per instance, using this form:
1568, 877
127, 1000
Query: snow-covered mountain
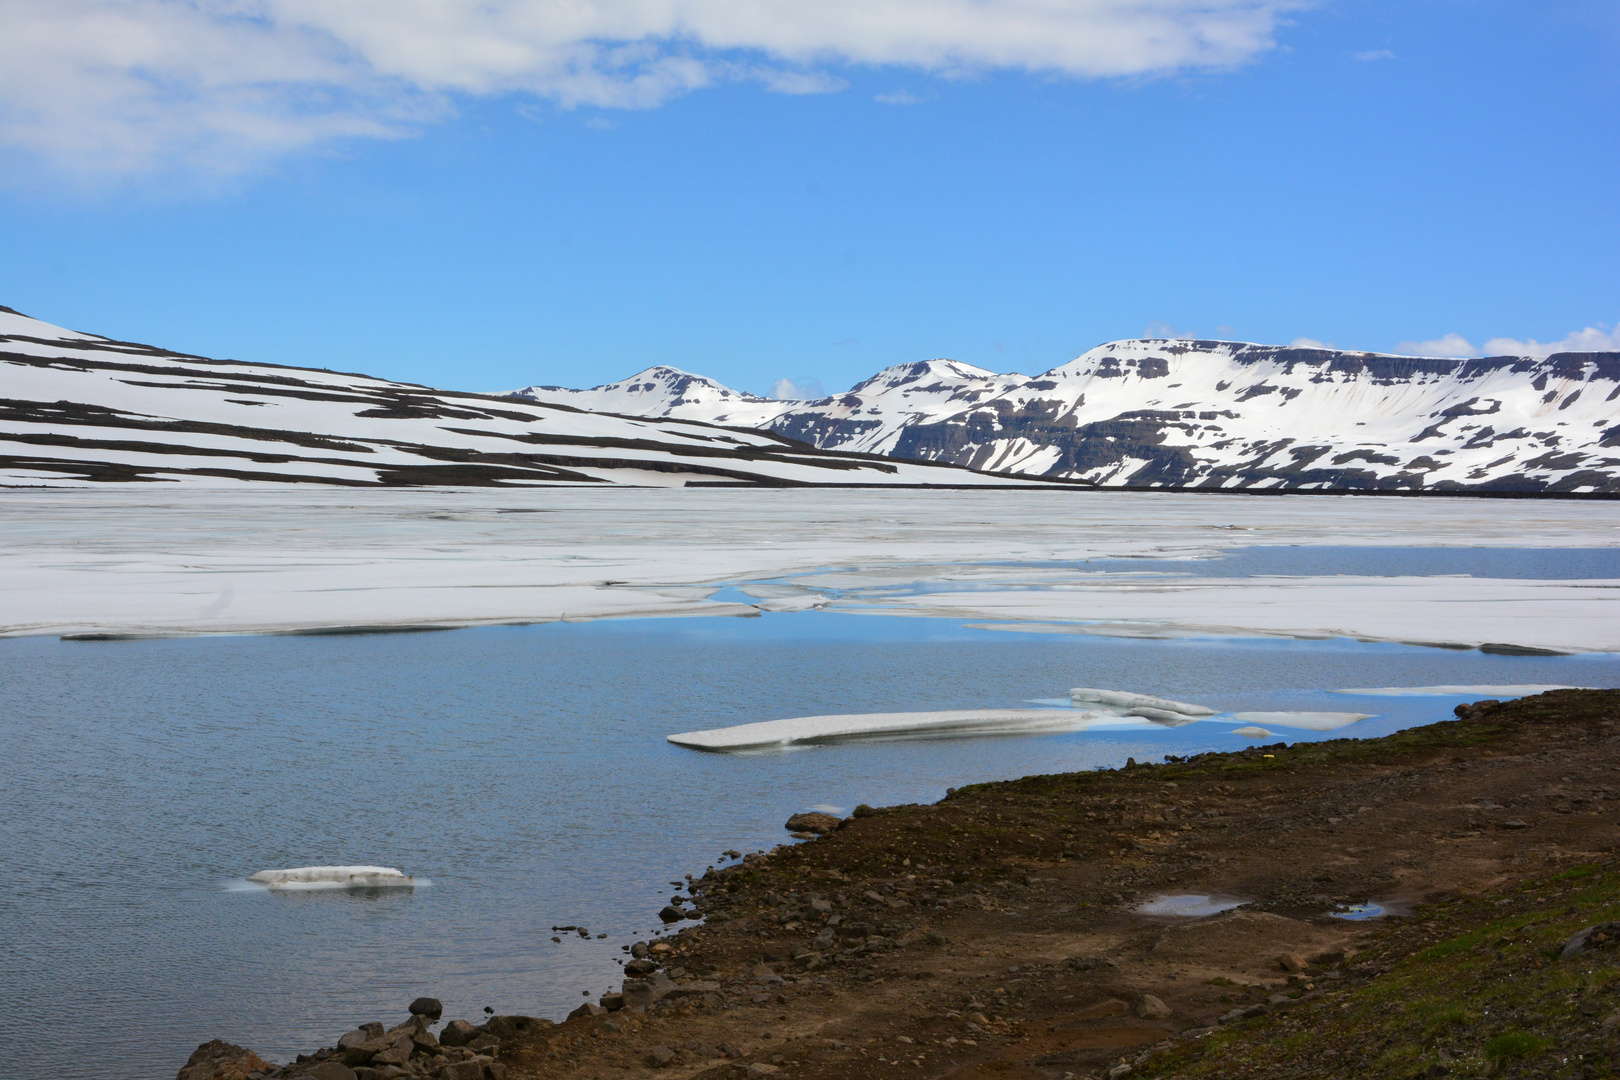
1210, 414
79, 409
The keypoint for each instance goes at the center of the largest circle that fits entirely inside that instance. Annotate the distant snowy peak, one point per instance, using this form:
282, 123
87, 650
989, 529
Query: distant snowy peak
78, 409
1220, 414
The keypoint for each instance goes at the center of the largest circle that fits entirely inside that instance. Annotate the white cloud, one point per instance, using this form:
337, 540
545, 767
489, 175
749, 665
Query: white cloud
1452, 345
1308, 343
1591, 339
1374, 55
801, 389
121, 86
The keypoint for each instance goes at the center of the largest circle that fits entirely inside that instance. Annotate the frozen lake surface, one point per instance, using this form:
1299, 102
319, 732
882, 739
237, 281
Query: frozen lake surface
523, 769
140, 560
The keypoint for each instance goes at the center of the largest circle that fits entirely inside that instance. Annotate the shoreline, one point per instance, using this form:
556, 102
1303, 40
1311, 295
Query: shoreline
998, 931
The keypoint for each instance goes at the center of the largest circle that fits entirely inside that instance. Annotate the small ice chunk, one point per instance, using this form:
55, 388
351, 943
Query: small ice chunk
334, 877
1135, 704
1252, 732
1310, 721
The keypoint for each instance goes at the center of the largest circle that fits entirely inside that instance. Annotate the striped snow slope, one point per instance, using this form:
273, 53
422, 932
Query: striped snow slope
79, 409
1171, 413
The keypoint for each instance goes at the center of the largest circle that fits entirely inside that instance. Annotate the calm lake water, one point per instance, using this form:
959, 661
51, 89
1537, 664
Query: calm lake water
523, 770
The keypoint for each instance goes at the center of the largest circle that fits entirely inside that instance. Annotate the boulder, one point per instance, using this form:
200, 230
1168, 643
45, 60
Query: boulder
640, 993
611, 1001
1605, 935
671, 913
505, 1028
458, 1033
1292, 962
660, 1056
586, 1011
331, 1070
814, 822
1153, 1008
220, 1060
640, 968
432, 1008
638, 950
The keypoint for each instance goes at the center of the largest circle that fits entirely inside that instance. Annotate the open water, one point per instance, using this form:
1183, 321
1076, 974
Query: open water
523, 770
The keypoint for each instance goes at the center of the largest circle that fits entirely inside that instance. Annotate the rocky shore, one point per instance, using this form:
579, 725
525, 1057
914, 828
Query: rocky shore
1304, 911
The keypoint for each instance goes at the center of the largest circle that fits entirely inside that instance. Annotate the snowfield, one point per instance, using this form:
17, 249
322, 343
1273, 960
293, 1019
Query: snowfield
76, 409
1203, 414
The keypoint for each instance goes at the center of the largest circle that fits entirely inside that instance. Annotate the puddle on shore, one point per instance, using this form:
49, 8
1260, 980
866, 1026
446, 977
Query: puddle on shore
1189, 905
1358, 912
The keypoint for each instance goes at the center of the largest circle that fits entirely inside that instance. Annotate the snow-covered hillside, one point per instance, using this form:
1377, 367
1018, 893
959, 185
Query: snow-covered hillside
80, 409
1175, 413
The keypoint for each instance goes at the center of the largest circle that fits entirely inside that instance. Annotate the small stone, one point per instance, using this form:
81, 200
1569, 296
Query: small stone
659, 1056
1153, 1008
1292, 962
639, 968
353, 1038
671, 913
1515, 824
612, 1001
586, 1011
432, 1008
638, 950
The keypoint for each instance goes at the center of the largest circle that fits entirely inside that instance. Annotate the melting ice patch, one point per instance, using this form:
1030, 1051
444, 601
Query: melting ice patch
1502, 692
304, 878
1189, 905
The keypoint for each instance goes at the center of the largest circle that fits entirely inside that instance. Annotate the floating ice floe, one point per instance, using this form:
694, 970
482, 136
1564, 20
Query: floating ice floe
1173, 713
333, 877
1252, 732
850, 727
1309, 721
1455, 691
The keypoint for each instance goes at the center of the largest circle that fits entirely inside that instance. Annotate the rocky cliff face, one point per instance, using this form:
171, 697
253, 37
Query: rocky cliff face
1206, 414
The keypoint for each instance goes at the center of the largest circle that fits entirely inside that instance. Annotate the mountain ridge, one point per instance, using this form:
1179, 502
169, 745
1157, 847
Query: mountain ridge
1247, 417
79, 409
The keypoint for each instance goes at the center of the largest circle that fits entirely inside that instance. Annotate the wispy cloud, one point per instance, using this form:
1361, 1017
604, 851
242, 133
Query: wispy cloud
1308, 343
1374, 55
899, 97
114, 87
1449, 345
1592, 339
800, 389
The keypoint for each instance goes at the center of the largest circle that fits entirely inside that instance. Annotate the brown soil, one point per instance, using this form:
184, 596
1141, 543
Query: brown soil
1000, 932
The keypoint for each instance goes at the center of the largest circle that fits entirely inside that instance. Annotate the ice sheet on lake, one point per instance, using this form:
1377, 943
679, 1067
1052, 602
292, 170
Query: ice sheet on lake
142, 561
1309, 721
1502, 692
304, 878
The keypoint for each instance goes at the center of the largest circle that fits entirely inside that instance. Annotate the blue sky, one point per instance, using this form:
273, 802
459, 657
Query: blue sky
1370, 174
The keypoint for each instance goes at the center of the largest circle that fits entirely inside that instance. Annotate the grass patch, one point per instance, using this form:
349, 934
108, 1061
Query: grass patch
1515, 1044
